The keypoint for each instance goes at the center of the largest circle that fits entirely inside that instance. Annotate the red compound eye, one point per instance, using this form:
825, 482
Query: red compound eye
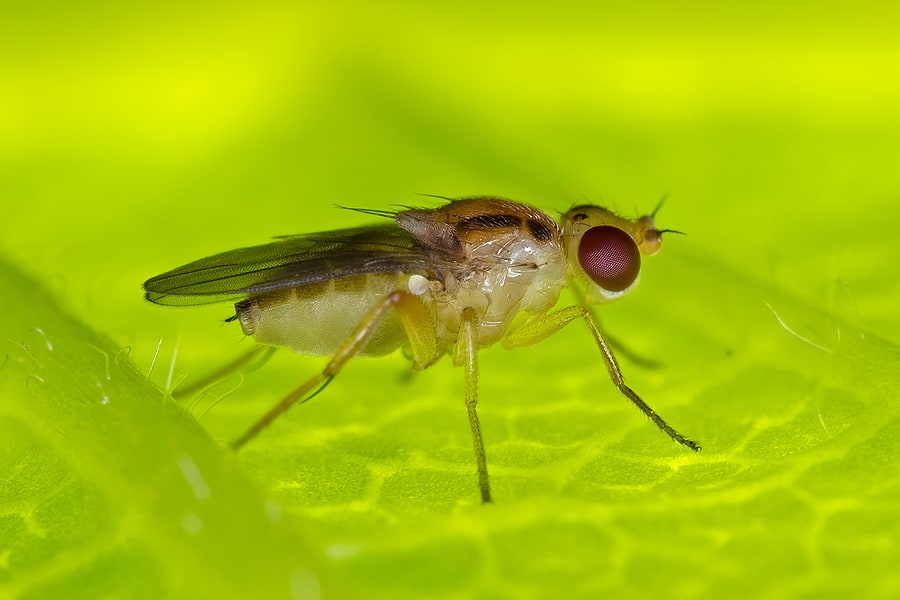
610, 257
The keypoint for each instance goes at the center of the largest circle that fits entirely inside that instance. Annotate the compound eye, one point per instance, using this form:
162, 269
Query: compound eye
610, 257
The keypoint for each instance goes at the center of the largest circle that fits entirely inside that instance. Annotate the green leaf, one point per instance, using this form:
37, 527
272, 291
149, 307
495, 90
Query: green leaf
799, 447
135, 139
109, 489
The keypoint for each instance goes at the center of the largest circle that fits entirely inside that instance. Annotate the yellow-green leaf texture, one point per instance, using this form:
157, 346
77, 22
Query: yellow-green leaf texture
136, 138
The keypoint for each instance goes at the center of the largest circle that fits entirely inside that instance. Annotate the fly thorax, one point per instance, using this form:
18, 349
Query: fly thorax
509, 277
534, 276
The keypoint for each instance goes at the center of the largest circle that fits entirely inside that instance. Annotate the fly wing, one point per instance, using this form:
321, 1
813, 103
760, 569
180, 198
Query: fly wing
290, 262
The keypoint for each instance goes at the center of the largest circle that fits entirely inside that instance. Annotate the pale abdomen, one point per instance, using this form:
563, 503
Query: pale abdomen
317, 318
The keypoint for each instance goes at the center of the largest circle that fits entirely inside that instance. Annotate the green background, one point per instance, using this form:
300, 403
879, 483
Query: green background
133, 139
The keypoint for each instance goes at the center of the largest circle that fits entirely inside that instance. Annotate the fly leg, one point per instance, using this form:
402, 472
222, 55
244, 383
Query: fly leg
255, 358
543, 327
620, 348
417, 325
466, 356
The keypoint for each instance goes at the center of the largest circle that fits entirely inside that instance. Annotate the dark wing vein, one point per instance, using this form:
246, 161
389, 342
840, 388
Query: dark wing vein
289, 262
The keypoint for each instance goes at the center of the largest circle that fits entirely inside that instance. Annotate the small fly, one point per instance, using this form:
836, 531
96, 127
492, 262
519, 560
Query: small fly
447, 280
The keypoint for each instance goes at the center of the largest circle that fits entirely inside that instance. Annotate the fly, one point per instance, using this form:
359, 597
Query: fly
448, 280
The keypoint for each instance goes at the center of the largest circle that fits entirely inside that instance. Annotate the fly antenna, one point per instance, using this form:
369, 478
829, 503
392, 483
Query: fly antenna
662, 231
656, 210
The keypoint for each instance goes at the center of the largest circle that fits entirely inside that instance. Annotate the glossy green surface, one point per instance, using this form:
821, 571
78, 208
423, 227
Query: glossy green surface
133, 140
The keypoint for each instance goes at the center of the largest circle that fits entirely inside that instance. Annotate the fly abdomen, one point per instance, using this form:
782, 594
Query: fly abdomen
316, 318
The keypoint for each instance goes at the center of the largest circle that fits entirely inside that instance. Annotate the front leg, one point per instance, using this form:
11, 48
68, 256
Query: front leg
540, 328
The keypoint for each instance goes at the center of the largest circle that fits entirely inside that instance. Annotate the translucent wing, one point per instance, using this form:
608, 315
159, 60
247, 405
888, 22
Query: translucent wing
289, 262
